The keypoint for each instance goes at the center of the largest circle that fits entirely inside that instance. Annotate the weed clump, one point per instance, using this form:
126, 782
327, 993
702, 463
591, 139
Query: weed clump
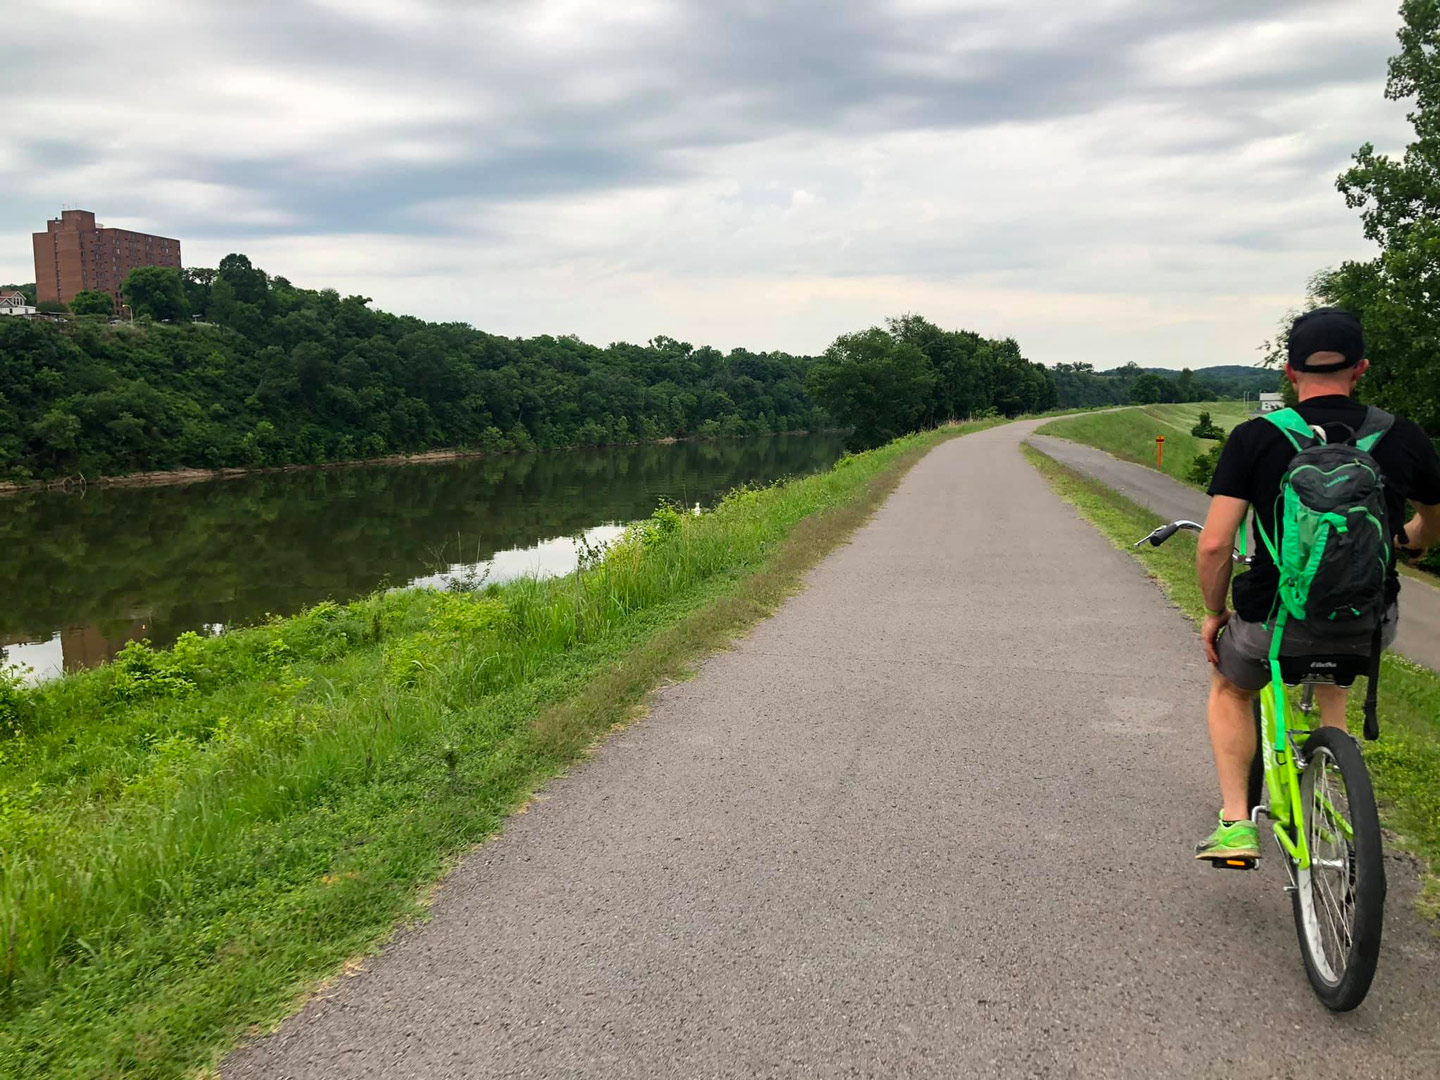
14, 703
661, 526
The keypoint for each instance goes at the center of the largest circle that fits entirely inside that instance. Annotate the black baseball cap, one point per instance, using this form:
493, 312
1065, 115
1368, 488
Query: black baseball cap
1326, 329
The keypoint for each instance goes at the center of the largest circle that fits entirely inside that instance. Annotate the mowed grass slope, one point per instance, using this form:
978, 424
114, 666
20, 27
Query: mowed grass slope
1404, 763
190, 840
1130, 433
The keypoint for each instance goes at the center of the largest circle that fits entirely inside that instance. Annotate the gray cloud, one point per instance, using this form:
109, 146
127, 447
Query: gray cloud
706, 77
1044, 146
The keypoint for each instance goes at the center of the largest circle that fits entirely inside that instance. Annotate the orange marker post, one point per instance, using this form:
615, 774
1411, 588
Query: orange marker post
1159, 451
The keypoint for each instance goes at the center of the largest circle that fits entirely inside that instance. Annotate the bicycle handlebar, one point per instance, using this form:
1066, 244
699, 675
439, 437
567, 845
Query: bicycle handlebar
1165, 532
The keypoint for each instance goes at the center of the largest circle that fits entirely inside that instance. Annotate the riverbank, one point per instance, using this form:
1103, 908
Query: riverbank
85, 573
191, 840
1404, 763
174, 477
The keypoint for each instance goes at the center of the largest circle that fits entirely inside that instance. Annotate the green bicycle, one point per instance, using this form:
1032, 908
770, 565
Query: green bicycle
1311, 783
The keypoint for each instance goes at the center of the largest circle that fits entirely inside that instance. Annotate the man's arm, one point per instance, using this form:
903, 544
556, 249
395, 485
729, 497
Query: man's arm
1420, 483
1213, 554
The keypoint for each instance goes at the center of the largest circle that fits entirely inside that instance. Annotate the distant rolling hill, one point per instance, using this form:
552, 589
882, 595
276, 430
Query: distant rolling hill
1080, 387
1217, 371
1228, 378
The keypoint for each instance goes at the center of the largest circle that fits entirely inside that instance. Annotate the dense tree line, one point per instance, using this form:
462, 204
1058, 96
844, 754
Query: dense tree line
1081, 386
231, 367
910, 374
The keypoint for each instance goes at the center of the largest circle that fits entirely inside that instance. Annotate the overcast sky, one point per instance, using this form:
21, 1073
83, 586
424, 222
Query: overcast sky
1112, 180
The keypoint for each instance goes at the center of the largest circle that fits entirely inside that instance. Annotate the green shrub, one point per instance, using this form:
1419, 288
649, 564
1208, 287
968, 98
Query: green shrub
1202, 469
1207, 429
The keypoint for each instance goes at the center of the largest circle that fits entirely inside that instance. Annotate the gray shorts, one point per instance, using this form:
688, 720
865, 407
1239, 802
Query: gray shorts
1244, 647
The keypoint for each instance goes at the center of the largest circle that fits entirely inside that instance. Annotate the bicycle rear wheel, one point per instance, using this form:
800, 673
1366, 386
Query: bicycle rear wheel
1340, 899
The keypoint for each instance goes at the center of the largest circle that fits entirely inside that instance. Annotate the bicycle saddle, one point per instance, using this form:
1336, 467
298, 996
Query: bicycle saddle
1341, 670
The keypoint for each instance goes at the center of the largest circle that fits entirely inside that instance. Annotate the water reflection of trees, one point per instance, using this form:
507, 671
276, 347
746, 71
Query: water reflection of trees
232, 551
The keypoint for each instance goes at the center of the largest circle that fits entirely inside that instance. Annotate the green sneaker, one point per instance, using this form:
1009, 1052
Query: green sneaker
1238, 840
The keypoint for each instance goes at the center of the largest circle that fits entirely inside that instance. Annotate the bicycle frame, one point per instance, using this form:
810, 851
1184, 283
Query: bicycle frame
1277, 747
1282, 779
1295, 757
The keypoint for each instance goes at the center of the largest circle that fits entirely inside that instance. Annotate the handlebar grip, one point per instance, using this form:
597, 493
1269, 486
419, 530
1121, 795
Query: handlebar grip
1160, 535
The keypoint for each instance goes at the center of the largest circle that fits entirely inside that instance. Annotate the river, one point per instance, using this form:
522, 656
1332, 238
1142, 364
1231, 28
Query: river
82, 574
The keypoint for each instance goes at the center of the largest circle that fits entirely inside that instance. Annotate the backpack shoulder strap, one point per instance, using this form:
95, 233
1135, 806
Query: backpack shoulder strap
1294, 427
1377, 423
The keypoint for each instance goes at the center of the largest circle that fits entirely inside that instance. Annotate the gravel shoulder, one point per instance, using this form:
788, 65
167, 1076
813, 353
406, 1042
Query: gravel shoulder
932, 819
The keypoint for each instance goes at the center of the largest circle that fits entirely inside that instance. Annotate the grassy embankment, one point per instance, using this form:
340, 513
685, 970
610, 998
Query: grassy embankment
190, 840
1130, 433
1405, 763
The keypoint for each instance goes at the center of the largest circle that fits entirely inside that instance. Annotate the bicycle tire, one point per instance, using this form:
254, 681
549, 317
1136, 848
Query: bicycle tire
1256, 785
1346, 881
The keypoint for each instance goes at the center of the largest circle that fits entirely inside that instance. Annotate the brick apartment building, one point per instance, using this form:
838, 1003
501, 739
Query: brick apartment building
74, 253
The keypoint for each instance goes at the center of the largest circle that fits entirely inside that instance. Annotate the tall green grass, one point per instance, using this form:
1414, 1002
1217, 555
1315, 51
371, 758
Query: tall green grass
190, 839
1130, 433
1404, 764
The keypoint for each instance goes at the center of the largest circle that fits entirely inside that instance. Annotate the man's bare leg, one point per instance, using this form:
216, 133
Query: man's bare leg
1232, 737
1331, 699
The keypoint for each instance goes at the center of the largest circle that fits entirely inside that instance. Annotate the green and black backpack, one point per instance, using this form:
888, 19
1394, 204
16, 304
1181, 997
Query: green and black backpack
1332, 535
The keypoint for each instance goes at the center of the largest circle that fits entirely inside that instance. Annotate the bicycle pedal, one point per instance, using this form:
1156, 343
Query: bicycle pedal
1235, 864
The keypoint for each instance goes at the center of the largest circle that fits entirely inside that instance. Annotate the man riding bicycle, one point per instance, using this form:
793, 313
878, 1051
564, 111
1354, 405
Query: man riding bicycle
1325, 361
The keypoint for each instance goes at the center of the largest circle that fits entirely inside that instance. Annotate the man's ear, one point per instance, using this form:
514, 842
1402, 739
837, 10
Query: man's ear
1291, 374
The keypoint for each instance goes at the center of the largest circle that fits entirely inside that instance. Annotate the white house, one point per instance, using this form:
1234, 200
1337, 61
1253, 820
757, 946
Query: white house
14, 303
1271, 403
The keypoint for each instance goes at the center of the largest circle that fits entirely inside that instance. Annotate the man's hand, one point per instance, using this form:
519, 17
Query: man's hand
1421, 532
1210, 631
1403, 543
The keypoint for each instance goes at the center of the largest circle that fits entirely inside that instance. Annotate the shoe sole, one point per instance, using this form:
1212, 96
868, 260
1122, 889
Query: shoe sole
1228, 853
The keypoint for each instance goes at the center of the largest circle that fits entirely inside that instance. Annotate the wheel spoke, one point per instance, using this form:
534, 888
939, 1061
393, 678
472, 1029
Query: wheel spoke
1327, 908
1337, 912
1339, 924
1339, 921
1329, 881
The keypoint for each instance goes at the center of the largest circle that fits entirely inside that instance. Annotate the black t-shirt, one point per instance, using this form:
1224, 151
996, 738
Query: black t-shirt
1255, 459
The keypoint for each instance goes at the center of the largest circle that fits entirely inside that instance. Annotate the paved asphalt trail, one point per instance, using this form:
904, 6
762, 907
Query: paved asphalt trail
1419, 637
932, 819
